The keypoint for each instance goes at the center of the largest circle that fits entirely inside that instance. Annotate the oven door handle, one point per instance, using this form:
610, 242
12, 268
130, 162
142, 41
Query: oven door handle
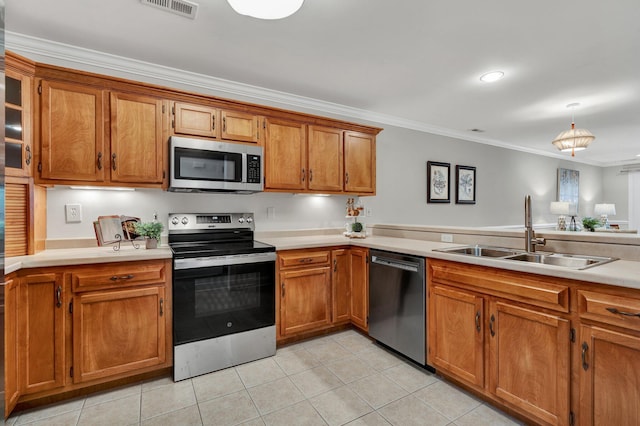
236, 259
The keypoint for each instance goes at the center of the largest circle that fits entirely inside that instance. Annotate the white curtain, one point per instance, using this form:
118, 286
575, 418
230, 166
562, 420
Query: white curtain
634, 200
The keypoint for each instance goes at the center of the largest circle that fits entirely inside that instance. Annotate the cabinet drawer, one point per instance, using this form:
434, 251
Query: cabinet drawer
610, 309
304, 258
536, 290
117, 276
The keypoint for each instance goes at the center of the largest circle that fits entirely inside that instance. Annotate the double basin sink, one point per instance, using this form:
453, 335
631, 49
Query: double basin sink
572, 261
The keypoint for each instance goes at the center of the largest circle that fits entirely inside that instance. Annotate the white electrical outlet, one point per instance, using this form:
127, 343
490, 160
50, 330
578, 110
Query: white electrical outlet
73, 213
446, 238
368, 212
271, 212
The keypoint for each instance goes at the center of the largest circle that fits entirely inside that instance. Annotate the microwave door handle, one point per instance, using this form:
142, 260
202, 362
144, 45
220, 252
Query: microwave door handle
245, 178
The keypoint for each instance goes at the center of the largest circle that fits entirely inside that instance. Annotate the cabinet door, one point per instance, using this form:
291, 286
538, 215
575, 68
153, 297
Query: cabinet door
11, 367
72, 133
359, 162
118, 331
196, 120
240, 126
18, 138
41, 316
137, 148
341, 285
456, 333
305, 300
529, 361
325, 159
359, 288
609, 377
285, 155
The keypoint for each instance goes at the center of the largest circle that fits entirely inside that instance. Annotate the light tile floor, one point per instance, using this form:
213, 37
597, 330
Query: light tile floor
343, 378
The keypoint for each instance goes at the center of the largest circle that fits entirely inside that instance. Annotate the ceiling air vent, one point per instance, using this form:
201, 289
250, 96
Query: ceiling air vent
184, 8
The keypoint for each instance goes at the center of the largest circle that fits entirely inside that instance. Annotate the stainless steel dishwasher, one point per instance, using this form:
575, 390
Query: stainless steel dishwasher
397, 302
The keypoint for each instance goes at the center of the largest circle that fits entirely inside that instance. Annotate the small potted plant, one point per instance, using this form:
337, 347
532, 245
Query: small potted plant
590, 223
151, 233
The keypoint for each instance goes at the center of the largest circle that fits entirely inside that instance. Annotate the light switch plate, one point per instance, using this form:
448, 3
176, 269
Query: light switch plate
73, 213
446, 238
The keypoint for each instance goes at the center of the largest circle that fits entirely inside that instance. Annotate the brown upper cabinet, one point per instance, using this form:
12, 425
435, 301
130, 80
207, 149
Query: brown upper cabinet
18, 116
72, 147
359, 163
317, 159
91, 129
210, 122
77, 120
137, 145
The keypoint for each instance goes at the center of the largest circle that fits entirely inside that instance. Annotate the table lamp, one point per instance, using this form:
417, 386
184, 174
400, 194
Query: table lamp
563, 209
604, 210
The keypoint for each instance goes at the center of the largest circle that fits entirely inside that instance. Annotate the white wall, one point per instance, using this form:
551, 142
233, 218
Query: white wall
616, 191
504, 177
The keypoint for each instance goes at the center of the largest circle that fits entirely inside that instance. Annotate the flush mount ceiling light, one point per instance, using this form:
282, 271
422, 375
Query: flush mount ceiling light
266, 9
575, 139
492, 76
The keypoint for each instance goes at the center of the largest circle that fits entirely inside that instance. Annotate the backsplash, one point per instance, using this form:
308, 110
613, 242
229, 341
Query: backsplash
273, 211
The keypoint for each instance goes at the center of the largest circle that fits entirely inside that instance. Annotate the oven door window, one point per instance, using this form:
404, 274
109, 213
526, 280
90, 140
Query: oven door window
216, 301
196, 164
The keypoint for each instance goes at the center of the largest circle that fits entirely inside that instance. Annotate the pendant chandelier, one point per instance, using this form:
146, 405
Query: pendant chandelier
266, 9
575, 139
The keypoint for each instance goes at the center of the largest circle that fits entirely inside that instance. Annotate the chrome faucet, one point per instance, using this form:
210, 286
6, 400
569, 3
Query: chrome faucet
530, 240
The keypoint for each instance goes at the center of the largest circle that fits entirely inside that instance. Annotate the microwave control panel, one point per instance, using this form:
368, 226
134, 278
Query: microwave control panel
253, 169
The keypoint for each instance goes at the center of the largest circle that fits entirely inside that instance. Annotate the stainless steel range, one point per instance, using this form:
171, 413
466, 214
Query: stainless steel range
223, 292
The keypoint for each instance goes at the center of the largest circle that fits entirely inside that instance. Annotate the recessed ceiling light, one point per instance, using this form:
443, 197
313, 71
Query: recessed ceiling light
492, 76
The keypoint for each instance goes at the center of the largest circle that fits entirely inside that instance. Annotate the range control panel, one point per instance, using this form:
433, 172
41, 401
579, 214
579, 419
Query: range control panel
193, 221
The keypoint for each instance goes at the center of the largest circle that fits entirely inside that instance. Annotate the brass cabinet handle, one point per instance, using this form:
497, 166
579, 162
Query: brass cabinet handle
585, 348
302, 177
491, 323
346, 178
335, 265
257, 129
626, 314
282, 289
122, 277
99, 161
213, 122
224, 124
161, 306
113, 161
59, 296
310, 175
478, 321
306, 260
28, 156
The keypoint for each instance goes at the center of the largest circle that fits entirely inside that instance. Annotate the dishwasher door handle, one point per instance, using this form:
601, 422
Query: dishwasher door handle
399, 264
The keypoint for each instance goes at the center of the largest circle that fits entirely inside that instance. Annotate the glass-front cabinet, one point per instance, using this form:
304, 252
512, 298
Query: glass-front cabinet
18, 139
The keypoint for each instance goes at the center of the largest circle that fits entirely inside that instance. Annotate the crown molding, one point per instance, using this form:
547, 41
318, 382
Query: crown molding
94, 61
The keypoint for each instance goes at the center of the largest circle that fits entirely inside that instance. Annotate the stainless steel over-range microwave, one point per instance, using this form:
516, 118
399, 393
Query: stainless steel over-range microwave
199, 165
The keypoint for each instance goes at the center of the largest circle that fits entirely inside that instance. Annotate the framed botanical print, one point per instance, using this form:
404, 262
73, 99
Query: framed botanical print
438, 190
465, 185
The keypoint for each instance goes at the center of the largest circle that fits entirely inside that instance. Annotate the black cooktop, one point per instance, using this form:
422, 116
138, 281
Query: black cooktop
209, 248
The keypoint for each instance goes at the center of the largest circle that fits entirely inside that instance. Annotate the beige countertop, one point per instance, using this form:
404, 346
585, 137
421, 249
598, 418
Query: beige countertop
624, 273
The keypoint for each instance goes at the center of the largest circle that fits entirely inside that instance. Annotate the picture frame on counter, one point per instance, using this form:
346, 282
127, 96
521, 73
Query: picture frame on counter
465, 185
438, 188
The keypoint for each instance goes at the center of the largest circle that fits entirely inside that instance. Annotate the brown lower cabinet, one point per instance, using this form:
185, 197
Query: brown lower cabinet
552, 351
319, 289
80, 326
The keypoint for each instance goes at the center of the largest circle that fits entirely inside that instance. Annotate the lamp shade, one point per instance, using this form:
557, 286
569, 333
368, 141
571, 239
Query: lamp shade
605, 209
266, 9
563, 208
573, 140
